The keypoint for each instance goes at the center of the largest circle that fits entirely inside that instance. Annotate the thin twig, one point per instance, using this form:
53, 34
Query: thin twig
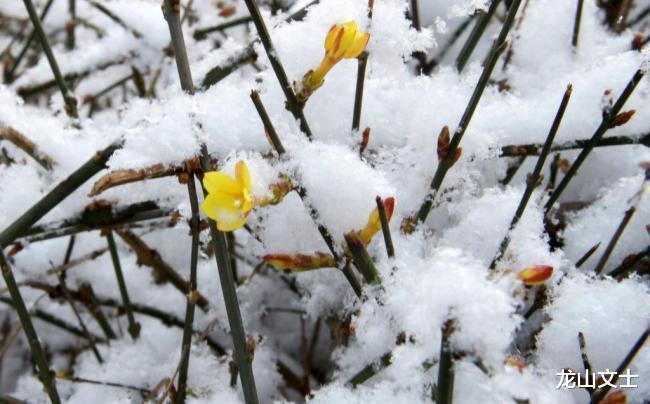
292, 102
608, 119
68, 98
385, 228
576, 24
444, 391
313, 212
191, 301
533, 149
44, 372
362, 63
629, 213
428, 68
362, 259
58, 194
134, 327
446, 163
103, 9
268, 125
587, 255
512, 170
601, 393
475, 35
533, 180
23, 143
171, 10
89, 300
10, 75
202, 33
70, 25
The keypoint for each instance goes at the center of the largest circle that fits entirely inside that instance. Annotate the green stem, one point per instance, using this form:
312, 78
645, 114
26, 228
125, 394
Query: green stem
475, 36
608, 119
70, 26
385, 228
171, 10
68, 98
191, 302
292, 102
444, 390
533, 180
576, 24
58, 194
362, 63
134, 327
446, 163
9, 77
44, 372
362, 259
202, 33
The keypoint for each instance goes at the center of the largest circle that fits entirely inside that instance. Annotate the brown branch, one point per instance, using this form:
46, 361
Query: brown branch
23, 143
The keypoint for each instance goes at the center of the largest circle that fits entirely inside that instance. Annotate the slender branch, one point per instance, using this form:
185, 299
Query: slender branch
103, 9
576, 24
583, 352
89, 300
134, 327
149, 257
218, 73
191, 301
68, 98
82, 325
446, 163
607, 122
385, 228
629, 213
292, 102
362, 63
268, 125
533, 180
601, 393
428, 68
370, 370
475, 35
444, 391
23, 143
313, 212
171, 10
362, 259
587, 255
58, 194
44, 372
512, 170
643, 14
415, 15
202, 33
10, 75
70, 25
533, 149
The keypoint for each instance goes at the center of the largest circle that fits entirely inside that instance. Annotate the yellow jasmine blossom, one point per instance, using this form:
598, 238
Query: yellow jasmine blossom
535, 275
229, 200
344, 41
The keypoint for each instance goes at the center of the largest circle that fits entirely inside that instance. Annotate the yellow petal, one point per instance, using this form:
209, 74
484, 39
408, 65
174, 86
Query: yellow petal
231, 223
217, 181
330, 39
344, 41
223, 209
243, 176
358, 46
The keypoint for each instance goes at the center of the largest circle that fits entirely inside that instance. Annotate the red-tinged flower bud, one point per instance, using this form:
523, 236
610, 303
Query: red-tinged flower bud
535, 275
512, 361
300, 262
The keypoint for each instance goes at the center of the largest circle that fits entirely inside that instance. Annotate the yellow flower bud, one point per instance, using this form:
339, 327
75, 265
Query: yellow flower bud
535, 275
343, 41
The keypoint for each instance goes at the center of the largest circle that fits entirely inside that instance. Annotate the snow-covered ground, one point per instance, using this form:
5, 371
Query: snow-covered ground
317, 328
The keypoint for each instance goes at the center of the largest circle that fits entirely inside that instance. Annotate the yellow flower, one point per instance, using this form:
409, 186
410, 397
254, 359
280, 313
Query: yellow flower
229, 200
344, 41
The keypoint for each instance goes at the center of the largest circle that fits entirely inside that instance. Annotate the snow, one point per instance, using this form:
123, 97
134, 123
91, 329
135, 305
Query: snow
440, 271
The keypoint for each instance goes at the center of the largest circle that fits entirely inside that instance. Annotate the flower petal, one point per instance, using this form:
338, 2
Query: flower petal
242, 175
358, 46
217, 181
